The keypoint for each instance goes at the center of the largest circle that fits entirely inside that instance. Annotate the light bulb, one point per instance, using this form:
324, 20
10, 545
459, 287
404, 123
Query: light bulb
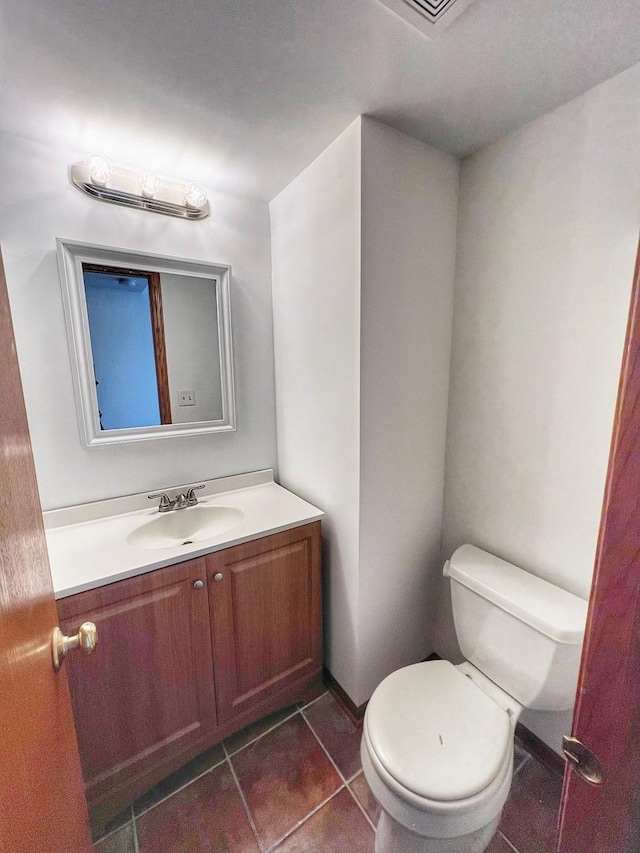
149, 184
195, 196
99, 170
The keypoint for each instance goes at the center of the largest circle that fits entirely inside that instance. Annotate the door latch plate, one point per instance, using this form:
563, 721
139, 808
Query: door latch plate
583, 761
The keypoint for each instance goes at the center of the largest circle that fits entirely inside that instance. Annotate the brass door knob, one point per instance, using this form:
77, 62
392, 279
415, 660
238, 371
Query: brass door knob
86, 640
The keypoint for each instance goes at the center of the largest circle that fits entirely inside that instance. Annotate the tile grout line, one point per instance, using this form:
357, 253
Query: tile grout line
361, 807
524, 761
261, 735
314, 810
111, 831
136, 844
358, 803
226, 756
182, 787
243, 798
303, 820
340, 774
504, 837
324, 749
313, 701
107, 835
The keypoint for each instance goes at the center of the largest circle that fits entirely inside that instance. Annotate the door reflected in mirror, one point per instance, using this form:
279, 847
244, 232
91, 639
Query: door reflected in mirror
150, 341
154, 340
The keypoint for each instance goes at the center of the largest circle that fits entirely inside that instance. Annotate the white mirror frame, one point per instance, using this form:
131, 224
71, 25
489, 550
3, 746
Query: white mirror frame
71, 256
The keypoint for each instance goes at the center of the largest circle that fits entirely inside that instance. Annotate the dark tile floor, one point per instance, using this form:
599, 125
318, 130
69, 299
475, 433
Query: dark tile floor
292, 783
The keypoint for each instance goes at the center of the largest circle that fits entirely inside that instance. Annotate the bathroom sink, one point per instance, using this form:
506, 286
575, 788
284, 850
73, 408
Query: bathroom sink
185, 526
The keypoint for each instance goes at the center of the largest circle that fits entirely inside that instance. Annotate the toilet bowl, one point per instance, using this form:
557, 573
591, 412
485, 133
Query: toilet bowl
437, 752
437, 744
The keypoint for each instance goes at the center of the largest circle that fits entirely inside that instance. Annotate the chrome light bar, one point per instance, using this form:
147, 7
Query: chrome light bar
116, 185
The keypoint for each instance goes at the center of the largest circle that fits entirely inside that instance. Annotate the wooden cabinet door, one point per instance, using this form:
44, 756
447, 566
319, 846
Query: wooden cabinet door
265, 616
148, 688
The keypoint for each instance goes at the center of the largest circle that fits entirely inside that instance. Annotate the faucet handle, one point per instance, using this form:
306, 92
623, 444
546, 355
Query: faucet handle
165, 501
190, 494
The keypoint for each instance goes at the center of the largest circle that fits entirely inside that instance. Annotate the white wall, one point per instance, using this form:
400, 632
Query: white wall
315, 226
38, 205
547, 236
409, 209
191, 337
362, 294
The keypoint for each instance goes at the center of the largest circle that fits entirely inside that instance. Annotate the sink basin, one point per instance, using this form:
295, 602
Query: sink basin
185, 526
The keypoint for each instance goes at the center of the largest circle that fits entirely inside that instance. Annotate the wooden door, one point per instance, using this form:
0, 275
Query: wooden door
146, 694
606, 818
265, 617
42, 805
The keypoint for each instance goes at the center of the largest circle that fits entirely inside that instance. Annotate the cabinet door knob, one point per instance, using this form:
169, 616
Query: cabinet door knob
198, 584
218, 576
86, 640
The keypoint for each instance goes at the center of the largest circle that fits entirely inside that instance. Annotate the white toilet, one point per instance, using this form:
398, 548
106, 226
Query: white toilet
437, 744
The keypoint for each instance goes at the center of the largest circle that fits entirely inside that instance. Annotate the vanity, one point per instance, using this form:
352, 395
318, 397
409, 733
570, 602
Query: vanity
207, 599
208, 618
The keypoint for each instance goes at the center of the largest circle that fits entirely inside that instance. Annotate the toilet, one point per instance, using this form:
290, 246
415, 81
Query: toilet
437, 743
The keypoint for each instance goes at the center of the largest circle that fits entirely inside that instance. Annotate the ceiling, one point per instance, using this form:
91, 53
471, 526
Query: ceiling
243, 95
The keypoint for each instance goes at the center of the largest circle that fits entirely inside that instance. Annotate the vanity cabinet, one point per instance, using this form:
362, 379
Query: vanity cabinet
148, 689
265, 603
187, 655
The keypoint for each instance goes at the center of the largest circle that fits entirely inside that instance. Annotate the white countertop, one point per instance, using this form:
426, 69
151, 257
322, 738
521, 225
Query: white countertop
88, 544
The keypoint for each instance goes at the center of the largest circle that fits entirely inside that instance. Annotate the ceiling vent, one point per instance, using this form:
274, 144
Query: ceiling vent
429, 16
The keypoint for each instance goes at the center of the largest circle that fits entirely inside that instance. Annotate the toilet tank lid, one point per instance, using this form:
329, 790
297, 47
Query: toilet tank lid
554, 612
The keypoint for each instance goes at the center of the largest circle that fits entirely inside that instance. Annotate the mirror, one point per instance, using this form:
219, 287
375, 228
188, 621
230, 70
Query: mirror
150, 341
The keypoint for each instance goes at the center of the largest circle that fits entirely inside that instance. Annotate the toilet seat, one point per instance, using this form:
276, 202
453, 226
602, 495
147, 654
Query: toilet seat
436, 734
436, 818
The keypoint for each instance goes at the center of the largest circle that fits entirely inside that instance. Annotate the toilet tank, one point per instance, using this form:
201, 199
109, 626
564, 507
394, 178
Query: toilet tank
521, 631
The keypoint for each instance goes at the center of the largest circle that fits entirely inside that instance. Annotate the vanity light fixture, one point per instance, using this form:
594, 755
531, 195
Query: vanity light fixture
149, 184
195, 196
99, 170
143, 190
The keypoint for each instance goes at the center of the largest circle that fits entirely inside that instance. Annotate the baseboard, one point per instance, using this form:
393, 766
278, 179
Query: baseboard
541, 751
353, 711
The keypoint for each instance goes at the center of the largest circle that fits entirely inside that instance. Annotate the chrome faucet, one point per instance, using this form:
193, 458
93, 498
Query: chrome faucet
165, 502
190, 497
181, 501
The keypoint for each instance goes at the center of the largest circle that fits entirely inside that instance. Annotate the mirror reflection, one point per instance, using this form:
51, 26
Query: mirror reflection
150, 343
155, 346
